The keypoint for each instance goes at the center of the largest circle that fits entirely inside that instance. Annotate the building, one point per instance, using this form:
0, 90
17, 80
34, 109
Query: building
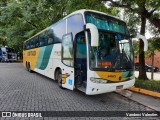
148, 60
156, 59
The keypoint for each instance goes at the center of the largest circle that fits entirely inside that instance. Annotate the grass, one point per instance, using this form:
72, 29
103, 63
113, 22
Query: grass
19, 60
148, 85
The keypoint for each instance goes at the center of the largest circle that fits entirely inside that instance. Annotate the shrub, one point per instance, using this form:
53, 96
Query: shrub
148, 84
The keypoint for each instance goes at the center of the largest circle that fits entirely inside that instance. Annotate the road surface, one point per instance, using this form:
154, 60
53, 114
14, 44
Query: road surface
24, 91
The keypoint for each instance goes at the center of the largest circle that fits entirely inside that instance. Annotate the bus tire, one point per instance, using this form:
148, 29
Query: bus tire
29, 68
58, 77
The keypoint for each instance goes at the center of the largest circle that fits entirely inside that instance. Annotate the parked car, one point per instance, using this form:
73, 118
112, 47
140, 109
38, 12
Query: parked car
147, 67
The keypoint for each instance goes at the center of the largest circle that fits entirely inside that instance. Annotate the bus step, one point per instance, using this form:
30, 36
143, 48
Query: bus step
82, 89
84, 84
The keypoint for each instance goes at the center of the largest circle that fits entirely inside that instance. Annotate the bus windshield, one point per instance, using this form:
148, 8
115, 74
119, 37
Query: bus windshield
114, 53
10, 50
106, 23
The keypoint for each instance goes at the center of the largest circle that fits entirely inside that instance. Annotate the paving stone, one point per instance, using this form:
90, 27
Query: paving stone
24, 91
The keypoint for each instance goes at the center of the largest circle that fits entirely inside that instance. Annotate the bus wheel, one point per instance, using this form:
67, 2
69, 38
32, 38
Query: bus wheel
27, 66
58, 77
29, 69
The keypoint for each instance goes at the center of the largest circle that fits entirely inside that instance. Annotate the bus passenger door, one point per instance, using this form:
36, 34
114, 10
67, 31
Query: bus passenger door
80, 63
68, 62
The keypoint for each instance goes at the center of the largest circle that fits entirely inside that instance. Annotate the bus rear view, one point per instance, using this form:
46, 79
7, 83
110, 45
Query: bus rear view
7, 54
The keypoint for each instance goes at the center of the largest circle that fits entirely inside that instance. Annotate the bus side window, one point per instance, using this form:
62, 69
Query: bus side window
75, 20
59, 30
67, 49
36, 41
50, 36
0, 52
42, 40
32, 43
81, 46
28, 44
25, 46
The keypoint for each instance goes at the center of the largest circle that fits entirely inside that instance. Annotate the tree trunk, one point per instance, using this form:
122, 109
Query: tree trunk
142, 71
152, 65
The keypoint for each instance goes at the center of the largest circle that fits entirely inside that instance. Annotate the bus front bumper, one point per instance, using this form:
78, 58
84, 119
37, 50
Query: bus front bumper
99, 88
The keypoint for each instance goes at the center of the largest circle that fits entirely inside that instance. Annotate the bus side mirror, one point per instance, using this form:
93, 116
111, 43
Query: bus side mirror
139, 36
94, 34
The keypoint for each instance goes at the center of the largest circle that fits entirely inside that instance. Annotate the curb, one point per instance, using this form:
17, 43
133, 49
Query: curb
146, 92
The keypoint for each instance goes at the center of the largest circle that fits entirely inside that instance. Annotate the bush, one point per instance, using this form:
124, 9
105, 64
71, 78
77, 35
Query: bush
148, 85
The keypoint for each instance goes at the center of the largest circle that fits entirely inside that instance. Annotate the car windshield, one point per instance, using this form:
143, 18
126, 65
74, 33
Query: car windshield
114, 53
10, 50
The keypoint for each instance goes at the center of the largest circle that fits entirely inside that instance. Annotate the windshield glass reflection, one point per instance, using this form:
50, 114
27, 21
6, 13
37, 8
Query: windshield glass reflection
114, 53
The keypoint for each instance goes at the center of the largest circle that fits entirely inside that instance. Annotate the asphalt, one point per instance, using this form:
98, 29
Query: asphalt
149, 101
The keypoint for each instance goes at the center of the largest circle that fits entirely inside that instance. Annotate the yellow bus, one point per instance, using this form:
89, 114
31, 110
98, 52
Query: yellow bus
87, 50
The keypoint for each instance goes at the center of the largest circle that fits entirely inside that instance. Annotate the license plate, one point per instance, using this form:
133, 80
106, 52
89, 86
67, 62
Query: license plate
119, 87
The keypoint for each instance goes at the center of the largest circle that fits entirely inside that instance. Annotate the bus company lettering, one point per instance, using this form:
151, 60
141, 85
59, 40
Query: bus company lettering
112, 76
31, 53
57, 53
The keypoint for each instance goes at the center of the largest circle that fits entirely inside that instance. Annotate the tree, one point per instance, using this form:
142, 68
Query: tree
73, 5
145, 9
149, 9
154, 44
21, 19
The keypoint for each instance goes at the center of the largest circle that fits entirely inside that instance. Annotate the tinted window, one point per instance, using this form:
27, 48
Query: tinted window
59, 31
106, 23
25, 46
28, 45
80, 46
50, 36
36, 41
32, 43
0, 52
67, 50
10, 50
42, 39
75, 24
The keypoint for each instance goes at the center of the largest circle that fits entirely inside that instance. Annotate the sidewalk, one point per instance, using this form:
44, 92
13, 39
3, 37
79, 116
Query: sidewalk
156, 75
149, 101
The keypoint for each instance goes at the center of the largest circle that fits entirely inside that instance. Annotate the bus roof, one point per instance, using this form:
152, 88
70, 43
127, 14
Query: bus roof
35, 34
88, 10
82, 11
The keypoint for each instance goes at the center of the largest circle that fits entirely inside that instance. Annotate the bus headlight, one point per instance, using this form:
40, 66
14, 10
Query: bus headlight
98, 80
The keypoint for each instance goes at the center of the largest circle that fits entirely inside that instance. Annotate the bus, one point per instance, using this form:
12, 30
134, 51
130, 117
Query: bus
8, 54
87, 50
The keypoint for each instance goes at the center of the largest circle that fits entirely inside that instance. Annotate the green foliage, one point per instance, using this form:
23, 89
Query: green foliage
149, 85
136, 48
141, 10
156, 43
153, 44
132, 21
149, 9
21, 19
74, 5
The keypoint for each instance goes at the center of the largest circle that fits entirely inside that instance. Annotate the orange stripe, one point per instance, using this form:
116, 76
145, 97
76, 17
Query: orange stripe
147, 92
